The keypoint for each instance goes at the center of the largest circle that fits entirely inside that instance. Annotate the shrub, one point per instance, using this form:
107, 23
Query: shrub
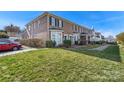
37, 43
61, 45
3, 35
67, 43
113, 43
99, 42
50, 44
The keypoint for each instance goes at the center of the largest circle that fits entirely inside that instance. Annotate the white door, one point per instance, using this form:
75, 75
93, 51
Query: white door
57, 37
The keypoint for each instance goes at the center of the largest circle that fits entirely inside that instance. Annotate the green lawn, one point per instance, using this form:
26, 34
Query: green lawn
64, 65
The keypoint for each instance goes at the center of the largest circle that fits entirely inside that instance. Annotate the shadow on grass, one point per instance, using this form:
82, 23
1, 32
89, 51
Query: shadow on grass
110, 53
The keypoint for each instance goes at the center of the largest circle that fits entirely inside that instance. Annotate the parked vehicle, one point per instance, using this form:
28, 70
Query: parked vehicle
6, 44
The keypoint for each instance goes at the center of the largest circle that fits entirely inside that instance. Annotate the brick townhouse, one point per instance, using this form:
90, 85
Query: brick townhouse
51, 27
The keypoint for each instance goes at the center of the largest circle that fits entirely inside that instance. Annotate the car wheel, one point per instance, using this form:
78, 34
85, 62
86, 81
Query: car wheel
15, 48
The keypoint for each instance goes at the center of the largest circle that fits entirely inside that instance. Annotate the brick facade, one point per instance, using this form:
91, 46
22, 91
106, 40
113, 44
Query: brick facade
47, 23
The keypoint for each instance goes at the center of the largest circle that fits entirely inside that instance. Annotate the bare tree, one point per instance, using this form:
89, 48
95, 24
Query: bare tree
12, 28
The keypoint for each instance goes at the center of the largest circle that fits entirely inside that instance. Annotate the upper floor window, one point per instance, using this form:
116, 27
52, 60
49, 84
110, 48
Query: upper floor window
39, 24
56, 22
34, 25
60, 23
79, 29
75, 28
53, 21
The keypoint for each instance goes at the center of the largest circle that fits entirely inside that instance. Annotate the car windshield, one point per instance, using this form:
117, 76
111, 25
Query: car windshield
6, 40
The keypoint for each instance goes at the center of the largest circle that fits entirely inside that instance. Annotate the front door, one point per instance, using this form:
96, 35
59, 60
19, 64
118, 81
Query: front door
83, 40
57, 37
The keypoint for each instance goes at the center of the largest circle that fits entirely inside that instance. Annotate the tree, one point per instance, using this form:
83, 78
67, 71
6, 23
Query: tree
12, 28
120, 37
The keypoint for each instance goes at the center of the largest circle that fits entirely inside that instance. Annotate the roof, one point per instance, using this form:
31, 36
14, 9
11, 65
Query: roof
47, 13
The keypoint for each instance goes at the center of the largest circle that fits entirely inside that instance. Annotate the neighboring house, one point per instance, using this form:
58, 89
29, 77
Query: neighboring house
110, 39
51, 27
96, 36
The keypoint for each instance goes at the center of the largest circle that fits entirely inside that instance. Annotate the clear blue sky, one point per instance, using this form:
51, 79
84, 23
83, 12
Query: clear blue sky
109, 23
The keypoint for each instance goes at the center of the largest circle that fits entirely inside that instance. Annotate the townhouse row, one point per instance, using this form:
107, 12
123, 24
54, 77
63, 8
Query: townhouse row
51, 27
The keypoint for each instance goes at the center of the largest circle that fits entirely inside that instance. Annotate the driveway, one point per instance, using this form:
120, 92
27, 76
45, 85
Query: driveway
24, 49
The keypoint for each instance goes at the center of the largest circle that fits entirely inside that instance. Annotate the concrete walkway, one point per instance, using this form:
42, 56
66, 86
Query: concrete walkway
15, 52
101, 48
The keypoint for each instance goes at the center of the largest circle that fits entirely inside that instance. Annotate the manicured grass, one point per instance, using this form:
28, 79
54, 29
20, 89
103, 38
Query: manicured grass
64, 65
111, 53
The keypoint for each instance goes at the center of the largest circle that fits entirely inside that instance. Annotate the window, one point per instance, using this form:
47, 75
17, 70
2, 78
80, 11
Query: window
60, 23
78, 29
53, 21
70, 37
39, 24
56, 22
65, 37
34, 25
81, 29
72, 27
53, 37
75, 28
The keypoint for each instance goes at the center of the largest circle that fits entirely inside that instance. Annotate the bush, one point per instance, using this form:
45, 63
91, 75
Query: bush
37, 43
3, 35
50, 44
67, 43
99, 42
113, 43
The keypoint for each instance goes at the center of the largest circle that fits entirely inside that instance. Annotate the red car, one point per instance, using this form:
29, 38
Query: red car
6, 44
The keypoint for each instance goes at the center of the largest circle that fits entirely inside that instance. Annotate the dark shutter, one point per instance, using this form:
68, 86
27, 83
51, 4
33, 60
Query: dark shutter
50, 20
62, 24
57, 22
